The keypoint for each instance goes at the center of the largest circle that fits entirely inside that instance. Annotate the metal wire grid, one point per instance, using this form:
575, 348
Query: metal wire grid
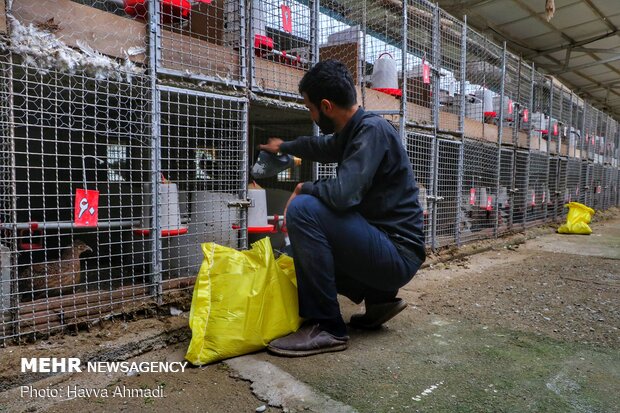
524, 101
576, 135
483, 77
591, 117
553, 182
201, 40
479, 190
447, 207
540, 123
597, 186
203, 160
505, 197
421, 150
521, 184
8, 243
573, 171
537, 196
608, 187
561, 190
422, 69
74, 133
555, 125
588, 183
341, 35
451, 97
510, 108
282, 39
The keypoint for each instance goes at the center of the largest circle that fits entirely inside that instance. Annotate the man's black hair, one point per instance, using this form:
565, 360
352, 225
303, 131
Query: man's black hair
329, 80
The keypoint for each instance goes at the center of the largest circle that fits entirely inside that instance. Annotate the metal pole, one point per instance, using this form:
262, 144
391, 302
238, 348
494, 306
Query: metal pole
403, 100
433, 187
549, 138
154, 61
500, 134
459, 178
436, 63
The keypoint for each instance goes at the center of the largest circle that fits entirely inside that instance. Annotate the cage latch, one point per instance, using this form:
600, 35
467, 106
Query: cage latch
241, 203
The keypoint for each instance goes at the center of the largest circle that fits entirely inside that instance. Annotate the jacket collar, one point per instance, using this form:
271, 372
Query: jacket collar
351, 124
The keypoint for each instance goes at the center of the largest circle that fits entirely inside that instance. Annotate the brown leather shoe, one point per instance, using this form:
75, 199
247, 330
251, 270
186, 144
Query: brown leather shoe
377, 314
308, 340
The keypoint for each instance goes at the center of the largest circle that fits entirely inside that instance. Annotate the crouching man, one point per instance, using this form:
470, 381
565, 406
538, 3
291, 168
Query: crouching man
358, 234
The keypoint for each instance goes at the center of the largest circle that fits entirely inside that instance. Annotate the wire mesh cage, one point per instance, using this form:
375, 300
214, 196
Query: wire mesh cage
203, 177
541, 122
537, 195
447, 209
341, 35
587, 178
505, 195
561, 193
421, 149
553, 182
524, 103
451, 81
201, 39
282, 38
423, 62
555, 123
479, 190
81, 156
483, 83
510, 109
597, 186
608, 187
573, 176
521, 184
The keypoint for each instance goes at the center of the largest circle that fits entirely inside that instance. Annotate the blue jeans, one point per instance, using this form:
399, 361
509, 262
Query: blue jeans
340, 252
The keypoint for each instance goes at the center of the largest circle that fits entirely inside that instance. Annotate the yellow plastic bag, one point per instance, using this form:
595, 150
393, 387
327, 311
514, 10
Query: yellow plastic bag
242, 300
577, 220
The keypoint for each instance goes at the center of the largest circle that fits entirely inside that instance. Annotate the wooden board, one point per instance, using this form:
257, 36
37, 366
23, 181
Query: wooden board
271, 75
104, 32
2, 17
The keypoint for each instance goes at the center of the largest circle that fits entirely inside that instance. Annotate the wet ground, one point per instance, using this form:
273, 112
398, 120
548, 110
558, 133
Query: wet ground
519, 328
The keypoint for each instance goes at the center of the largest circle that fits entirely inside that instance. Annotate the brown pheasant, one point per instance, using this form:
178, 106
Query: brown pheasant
55, 276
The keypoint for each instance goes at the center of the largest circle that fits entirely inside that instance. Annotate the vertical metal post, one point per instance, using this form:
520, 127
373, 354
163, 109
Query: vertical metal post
243, 193
459, 175
500, 134
154, 61
403, 100
549, 138
436, 64
314, 39
362, 64
243, 44
433, 188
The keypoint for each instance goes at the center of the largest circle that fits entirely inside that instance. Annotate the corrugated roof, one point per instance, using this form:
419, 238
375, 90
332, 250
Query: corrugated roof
579, 45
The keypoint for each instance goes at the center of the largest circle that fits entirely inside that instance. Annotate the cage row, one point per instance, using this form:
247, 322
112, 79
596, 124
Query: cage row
409, 59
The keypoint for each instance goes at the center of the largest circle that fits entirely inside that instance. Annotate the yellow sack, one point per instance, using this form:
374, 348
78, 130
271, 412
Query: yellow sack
577, 220
242, 300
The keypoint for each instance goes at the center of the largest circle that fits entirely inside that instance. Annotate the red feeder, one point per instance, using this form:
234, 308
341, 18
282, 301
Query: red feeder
171, 10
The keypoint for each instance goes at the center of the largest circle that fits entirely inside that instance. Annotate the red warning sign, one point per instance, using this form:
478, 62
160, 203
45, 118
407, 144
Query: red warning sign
86, 208
287, 19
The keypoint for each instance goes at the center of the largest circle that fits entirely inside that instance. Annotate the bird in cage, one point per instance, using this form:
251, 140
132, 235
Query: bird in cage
55, 277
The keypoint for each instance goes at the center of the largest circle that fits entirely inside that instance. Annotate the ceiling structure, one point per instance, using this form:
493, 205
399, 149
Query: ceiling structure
579, 45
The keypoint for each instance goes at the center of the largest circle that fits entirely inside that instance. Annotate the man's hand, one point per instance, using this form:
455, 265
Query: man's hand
272, 145
296, 192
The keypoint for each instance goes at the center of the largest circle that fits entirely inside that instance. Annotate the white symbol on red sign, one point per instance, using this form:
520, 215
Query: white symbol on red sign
86, 208
472, 196
509, 107
526, 115
287, 19
489, 203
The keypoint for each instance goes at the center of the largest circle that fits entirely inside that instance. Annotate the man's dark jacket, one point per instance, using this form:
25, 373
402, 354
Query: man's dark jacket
374, 177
